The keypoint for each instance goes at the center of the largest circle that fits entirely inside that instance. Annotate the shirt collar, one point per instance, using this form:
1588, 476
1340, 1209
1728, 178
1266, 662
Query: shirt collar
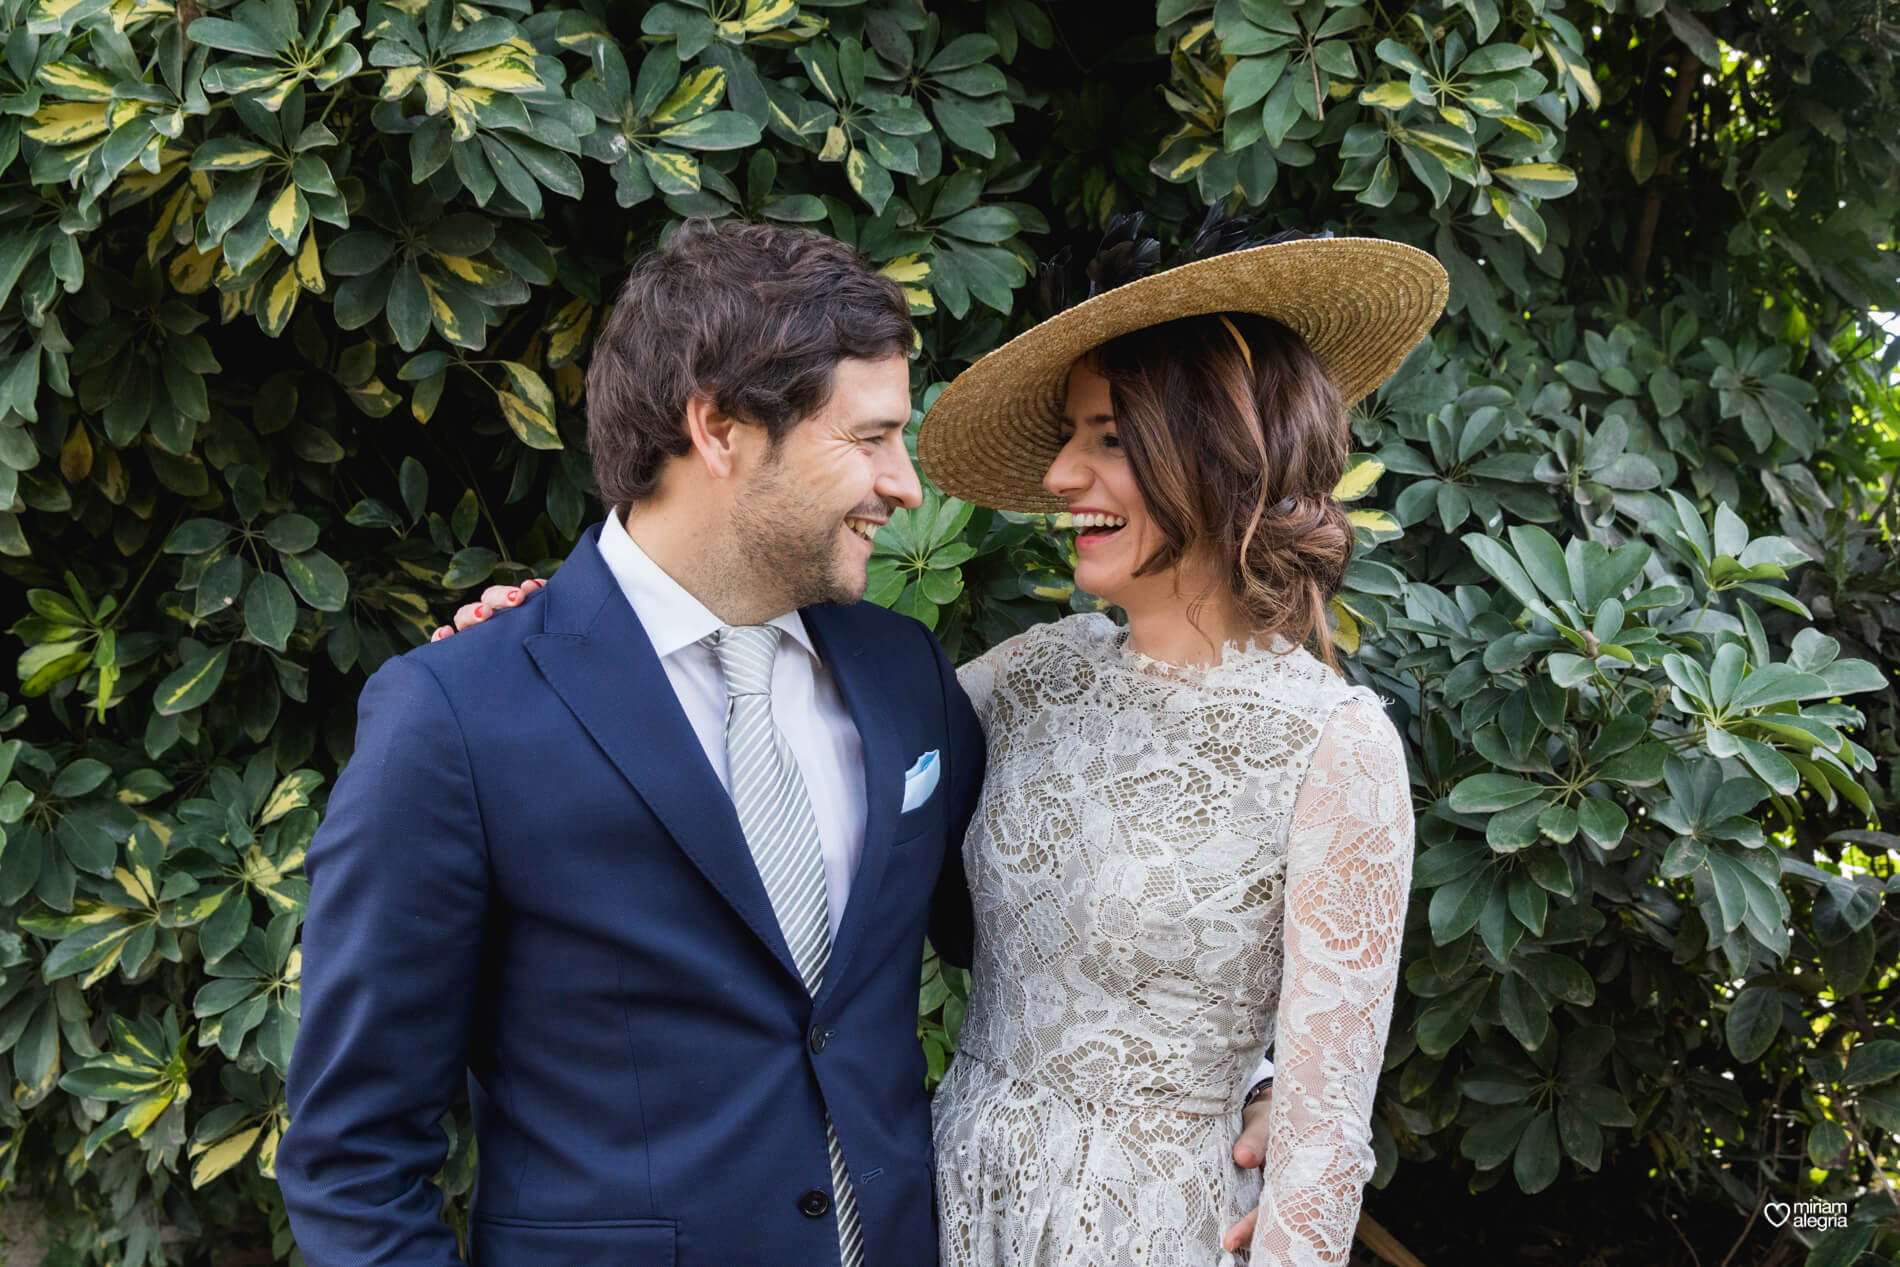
672, 617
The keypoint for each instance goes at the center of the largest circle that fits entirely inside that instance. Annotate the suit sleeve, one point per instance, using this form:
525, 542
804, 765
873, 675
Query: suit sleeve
951, 929
391, 955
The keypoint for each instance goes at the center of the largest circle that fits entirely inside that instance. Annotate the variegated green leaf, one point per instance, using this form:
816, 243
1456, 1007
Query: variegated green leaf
695, 94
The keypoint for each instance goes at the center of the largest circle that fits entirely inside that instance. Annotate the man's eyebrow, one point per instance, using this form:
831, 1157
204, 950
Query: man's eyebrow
885, 424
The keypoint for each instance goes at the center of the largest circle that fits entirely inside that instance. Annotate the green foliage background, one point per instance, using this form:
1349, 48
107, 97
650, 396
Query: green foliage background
293, 300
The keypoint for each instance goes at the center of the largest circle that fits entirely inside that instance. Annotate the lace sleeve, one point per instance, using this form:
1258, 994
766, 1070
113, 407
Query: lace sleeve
978, 677
1349, 865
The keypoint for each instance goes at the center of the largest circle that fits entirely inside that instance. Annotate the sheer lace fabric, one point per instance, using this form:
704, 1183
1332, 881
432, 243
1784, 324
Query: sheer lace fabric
1172, 869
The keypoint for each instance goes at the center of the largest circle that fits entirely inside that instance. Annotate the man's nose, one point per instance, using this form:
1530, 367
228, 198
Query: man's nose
897, 481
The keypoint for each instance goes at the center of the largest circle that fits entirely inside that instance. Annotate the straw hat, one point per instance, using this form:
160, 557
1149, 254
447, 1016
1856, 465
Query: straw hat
1361, 303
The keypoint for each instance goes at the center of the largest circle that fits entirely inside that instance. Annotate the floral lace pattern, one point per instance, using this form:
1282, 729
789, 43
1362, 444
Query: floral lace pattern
1172, 869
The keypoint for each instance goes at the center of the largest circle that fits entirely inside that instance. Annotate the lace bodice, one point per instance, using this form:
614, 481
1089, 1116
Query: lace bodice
1173, 868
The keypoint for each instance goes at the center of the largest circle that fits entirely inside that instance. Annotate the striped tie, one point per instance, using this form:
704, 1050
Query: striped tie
775, 814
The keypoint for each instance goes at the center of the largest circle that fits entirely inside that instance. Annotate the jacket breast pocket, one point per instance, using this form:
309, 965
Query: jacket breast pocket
606, 1243
918, 824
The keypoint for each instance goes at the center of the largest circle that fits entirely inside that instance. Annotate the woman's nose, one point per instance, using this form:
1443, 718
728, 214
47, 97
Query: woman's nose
1066, 474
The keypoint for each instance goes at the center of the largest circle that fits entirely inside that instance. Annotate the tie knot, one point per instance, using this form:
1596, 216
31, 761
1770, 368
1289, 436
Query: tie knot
745, 654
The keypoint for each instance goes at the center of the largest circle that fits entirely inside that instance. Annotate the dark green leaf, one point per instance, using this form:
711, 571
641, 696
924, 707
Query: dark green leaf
197, 536
1843, 1246
1582, 1138
317, 579
408, 307
1492, 1139
1754, 1018
270, 613
1873, 1062
1845, 905
1488, 793
81, 777
1536, 1162
983, 224
1560, 978
963, 125
716, 130
469, 567
796, 208
1603, 821
224, 930
292, 533
1456, 905
87, 845
234, 37
1641, 766
192, 683
1443, 1023
1543, 561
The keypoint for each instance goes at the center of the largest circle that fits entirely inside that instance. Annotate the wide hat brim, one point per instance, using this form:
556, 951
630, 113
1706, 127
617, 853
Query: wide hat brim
1362, 304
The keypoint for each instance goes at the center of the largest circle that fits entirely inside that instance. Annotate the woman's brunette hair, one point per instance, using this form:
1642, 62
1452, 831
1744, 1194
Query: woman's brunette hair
1236, 453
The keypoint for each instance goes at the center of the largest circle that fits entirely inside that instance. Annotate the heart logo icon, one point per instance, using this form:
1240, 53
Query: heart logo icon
1777, 1212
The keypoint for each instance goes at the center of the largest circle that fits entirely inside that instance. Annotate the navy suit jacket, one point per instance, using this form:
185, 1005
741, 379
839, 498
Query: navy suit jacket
530, 876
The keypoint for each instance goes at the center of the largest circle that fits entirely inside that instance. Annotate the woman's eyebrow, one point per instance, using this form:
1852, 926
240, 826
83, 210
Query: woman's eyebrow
1097, 419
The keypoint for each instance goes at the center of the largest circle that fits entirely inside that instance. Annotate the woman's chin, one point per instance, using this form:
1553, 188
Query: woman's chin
1103, 583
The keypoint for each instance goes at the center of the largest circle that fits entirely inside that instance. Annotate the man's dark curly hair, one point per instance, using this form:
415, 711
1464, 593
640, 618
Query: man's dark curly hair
754, 316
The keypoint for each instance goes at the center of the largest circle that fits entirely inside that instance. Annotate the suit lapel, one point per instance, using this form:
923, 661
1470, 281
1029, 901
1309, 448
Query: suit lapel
866, 696
597, 657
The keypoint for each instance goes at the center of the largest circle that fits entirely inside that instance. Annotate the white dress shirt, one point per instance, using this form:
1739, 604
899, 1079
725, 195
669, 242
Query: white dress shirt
805, 702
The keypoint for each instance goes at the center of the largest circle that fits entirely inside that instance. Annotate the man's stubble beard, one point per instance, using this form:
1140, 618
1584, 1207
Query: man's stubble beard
786, 545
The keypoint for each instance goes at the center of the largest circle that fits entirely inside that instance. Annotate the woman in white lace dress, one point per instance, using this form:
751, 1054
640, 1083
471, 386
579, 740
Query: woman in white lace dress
1195, 836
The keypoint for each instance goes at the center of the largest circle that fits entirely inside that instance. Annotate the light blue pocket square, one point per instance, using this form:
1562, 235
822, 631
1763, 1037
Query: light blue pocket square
920, 781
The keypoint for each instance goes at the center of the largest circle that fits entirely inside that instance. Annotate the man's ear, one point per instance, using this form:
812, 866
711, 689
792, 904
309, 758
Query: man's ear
714, 435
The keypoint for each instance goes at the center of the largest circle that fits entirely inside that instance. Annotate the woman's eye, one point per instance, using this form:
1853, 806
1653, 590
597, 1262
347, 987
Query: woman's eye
1109, 441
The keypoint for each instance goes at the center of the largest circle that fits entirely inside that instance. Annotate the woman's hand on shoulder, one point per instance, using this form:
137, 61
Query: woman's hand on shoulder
495, 598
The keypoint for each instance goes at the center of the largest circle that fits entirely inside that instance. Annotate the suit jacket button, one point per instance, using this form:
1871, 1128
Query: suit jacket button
819, 1036
814, 1204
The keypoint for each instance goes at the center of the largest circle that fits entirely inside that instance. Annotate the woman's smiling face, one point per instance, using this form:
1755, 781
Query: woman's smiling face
1092, 474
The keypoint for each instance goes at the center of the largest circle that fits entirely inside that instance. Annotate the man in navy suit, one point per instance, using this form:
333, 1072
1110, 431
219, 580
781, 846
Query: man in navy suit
685, 1006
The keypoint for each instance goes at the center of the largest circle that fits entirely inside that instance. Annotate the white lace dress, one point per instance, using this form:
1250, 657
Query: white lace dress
1172, 869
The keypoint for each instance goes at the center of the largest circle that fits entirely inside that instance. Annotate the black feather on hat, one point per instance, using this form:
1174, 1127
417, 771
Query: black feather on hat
1219, 233
1125, 255
1055, 283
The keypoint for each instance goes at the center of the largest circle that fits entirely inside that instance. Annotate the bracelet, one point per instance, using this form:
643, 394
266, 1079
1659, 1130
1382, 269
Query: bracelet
1257, 1090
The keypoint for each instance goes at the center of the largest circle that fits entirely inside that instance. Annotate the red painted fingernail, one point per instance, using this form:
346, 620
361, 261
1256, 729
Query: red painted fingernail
514, 596
441, 632
483, 611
